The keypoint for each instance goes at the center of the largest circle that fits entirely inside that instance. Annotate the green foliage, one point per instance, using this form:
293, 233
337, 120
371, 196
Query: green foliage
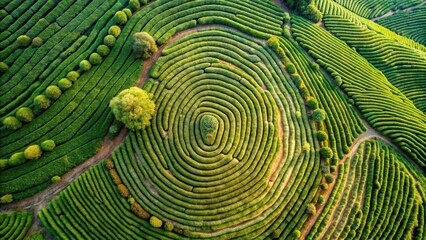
144, 45
64, 84
33, 152
48, 145
3, 67
134, 5
273, 43
168, 226
311, 209
41, 101
109, 40
329, 178
128, 13
208, 125
114, 31
321, 136
25, 114
4, 163
306, 8
133, 107
37, 235
319, 115
324, 186
290, 68
23, 41
12, 123
120, 17
103, 50
312, 103
73, 76
155, 222
56, 179
8, 198
296, 234
17, 159
85, 65
37, 41
53, 92
114, 129
321, 200
95, 59
326, 152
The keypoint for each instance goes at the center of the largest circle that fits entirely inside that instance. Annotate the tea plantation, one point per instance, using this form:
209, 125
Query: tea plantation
212, 119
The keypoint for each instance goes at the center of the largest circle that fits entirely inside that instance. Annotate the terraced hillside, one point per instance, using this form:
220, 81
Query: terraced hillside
266, 125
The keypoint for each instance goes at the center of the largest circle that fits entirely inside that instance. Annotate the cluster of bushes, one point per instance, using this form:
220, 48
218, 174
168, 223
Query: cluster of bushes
32, 152
306, 8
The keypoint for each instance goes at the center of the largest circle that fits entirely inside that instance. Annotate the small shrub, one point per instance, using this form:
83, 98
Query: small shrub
109, 40
321, 136
346, 150
48, 145
325, 169
64, 84
120, 17
311, 209
298, 115
290, 68
17, 159
115, 177
333, 169
85, 65
114, 31
131, 200
55, 179
296, 234
33, 152
134, 5
326, 152
109, 164
287, 32
23, 41
37, 41
155, 222
4, 163
25, 114
114, 130
73, 76
8, 198
123, 190
306, 147
168, 226
319, 115
297, 80
12, 123
273, 43
339, 80
128, 13
3, 67
329, 178
287, 17
321, 200
41, 101
324, 186
103, 50
53, 92
95, 59
144, 45
139, 211
312, 103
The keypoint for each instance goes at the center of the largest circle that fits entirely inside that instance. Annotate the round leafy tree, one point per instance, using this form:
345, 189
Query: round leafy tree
121, 17
115, 31
42, 101
25, 114
17, 159
73, 76
103, 50
3, 67
64, 84
95, 59
144, 45
37, 41
155, 222
326, 152
133, 107
48, 145
12, 123
85, 65
33, 152
23, 40
319, 115
109, 40
53, 92
322, 136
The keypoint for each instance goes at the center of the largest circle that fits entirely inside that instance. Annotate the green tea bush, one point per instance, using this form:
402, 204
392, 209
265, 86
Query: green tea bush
312, 103
155, 222
41, 101
73, 76
53, 92
120, 17
109, 40
8, 198
48, 145
168, 226
33, 152
321, 136
319, 115
326, 152
37, 41
25, 114
23, 41
12, 123
17, 159
114, 31
64, 84
85, 65
4, 163
134, 5
3, 67
144, 45
128, 13
311, 209
55, 179
95, 59
103, 50
329, 178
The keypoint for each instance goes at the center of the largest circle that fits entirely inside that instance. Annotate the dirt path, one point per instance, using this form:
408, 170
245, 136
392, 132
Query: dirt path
392, 12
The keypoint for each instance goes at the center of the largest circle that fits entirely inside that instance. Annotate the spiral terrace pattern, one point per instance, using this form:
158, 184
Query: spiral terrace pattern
211, 161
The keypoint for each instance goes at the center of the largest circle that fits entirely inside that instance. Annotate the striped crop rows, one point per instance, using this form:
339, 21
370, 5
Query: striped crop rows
410, 24
210, 189
404, 67
375, 197
375, 8
14, 226
383, 105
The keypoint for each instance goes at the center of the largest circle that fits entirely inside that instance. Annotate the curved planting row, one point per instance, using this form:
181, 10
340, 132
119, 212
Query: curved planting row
376, 8
342, 124
410, 24
59, 41
329, 7
222, 157
384, 106
375, 197
404, 67
14, 226
92, 208
78, 120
